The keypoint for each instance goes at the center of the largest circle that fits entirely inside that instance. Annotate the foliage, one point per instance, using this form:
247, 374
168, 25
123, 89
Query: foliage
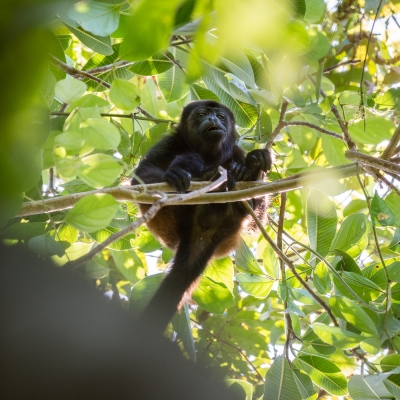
305, 76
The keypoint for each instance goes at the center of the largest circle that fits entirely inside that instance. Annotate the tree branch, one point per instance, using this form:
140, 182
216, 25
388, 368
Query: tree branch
372, 161
243, 191
76, 73
391, 148
109, 67
312, 126
279, 127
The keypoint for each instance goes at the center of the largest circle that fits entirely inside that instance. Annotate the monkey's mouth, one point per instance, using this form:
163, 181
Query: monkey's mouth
213, 128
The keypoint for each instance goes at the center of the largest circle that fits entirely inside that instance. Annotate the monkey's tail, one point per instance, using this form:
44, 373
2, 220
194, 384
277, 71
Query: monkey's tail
187, 266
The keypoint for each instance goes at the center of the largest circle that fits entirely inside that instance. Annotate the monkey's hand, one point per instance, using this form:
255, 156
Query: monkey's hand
257, 161
240, 172
178, 178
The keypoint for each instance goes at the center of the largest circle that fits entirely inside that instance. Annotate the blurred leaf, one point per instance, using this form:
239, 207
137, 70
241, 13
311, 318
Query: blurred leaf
45, 245
149, 29
377, 130
69, 89
125, 95
369, 387
381, 212
220, 270
155, 65
337, 336
256, 285
245, 261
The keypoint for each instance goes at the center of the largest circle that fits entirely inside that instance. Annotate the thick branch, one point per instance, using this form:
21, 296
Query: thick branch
243, 191
373, 161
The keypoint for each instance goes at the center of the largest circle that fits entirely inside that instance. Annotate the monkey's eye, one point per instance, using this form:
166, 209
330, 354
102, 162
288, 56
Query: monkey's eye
221, 116
201, 114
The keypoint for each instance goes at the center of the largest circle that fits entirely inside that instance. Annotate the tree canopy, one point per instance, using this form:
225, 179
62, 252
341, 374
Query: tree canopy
310, 306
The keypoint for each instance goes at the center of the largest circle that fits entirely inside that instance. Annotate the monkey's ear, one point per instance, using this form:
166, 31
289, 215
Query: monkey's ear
173, 127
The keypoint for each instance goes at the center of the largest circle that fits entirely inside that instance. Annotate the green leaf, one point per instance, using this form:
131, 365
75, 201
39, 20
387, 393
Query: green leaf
368, 388
99, 170
129, 264
304, 385
392, 384
348, 263
71, 141
334, 150
45, 245
315, 10
355, 206
245, 260
352, 236
24, 231
100, 134
246, 115
121, 244
381, 212
92, 212
198, 92
393, 203
321, 221
321, 278
365, 288
336, 336
125, 95
270, 262
98, 18
280, 383
67, 233
100, 44
155, 65
324, 374
377, 130
389, 362
212, 296
241, 388
351, 312
255, 285
182, 326
149, 29
173, 84
221, 270
143, 291
69, 89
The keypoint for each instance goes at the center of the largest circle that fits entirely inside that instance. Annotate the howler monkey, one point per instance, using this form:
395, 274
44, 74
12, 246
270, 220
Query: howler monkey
204, 140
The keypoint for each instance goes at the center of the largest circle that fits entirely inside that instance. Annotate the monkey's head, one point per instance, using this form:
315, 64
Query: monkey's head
208, 126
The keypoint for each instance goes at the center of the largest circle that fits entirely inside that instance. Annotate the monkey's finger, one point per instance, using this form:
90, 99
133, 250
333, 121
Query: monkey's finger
184, 180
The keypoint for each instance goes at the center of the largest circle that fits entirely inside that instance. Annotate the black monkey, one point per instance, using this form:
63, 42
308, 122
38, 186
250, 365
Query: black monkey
204, 140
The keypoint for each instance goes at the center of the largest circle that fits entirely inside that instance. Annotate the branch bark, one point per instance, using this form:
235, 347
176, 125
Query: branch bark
142, 194
372, 161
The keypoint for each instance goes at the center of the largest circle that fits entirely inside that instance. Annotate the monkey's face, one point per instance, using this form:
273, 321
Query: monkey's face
213, 124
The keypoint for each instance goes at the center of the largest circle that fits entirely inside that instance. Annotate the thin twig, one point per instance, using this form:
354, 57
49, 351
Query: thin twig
175, 62
109, 67
130, 116
280, 125
148, 215
230, 345
342, 124
313, 126
342, 64
76, 73
291, 266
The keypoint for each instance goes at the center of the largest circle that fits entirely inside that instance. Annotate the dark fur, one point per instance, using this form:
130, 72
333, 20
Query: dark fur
197, 232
